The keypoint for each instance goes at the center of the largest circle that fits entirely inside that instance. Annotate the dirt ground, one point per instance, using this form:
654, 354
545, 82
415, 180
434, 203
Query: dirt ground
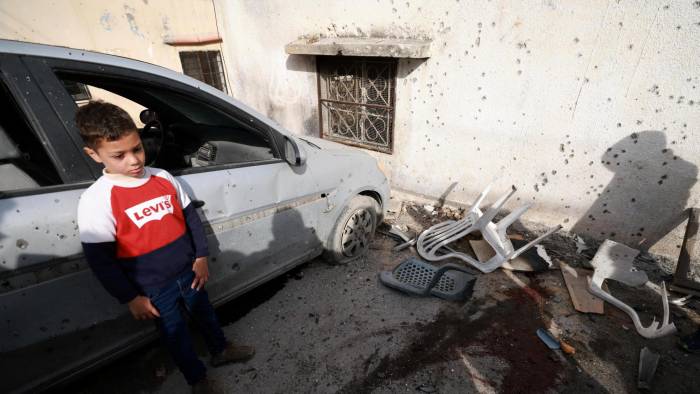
327, 329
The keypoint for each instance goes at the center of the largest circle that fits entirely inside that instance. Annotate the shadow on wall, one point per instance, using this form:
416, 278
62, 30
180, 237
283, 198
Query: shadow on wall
407, 66
307, 64
285, 101
647, 195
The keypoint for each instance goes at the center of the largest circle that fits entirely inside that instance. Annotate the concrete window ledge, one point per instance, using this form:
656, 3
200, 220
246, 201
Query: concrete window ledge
358, 46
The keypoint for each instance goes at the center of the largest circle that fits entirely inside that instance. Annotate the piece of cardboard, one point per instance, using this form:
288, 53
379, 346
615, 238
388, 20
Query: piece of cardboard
529, 261
576, 280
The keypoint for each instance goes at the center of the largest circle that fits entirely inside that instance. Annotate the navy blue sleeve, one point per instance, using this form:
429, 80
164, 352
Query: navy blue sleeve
102, 258
196, 229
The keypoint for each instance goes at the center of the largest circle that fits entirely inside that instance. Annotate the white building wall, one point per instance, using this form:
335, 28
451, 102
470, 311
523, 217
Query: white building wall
577, 103
131, 28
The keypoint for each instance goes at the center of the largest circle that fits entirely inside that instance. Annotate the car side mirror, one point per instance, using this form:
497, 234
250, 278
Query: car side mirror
148, 115
294, 154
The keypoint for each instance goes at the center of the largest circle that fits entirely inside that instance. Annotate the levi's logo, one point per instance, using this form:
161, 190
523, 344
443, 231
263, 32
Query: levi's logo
147, 211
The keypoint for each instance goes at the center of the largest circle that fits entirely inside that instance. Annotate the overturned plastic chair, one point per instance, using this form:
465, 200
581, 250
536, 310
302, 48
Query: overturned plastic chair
413, 276
614, 261
432, 243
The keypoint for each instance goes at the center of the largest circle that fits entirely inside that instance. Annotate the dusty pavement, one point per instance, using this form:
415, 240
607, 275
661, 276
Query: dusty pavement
326, 329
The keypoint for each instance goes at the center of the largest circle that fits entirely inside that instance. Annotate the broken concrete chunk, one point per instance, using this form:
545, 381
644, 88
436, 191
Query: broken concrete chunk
580, 245
400, 233
614, 261
542, 252
648, 361
682, 301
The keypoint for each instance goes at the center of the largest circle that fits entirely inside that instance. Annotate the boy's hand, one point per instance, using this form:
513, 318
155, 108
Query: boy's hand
142, 308
201, 272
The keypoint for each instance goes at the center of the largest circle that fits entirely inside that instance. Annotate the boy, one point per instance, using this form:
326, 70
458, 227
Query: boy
145, 242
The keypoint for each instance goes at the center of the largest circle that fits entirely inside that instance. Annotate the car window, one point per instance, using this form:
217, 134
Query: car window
24, 162
83, 93
182, 132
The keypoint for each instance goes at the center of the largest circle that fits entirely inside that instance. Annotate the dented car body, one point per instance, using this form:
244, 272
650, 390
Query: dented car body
269, 201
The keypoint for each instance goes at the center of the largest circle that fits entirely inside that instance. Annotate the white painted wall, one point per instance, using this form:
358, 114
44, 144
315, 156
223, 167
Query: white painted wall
547, 95
131, 28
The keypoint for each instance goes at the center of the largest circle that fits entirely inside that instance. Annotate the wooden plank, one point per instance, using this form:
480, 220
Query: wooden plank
576, 280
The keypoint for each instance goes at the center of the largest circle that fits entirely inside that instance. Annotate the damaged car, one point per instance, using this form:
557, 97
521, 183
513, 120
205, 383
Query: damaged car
269, 201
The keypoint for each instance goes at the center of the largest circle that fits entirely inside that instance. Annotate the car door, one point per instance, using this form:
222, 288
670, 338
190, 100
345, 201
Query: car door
46, 293
260, 213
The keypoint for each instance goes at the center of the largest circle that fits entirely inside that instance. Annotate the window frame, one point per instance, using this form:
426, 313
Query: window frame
22, 84
198, 58
391, 108
55, 66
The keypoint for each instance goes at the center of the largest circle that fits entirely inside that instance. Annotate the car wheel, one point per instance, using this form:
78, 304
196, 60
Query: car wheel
353, 231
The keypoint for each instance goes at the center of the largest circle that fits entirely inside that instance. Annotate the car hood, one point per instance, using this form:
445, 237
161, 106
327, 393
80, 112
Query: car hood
329, 145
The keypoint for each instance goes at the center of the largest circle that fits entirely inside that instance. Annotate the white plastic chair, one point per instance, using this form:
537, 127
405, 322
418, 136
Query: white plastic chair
432, 243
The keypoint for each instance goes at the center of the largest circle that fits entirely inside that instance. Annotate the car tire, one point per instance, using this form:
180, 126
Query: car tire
353, 232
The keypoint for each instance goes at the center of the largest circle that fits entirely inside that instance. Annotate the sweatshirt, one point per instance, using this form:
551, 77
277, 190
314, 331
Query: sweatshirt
139, 233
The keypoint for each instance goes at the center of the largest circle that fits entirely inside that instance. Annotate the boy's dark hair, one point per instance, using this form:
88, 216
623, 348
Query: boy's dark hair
99, 120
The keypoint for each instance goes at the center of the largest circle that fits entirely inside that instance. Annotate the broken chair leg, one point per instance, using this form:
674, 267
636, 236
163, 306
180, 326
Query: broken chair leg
614, 261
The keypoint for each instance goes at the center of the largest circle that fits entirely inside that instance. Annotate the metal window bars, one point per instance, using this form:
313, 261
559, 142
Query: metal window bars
205, 66
356, 100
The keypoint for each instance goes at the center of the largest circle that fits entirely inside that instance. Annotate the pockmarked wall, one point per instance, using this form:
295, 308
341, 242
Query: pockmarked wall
590, 108
136, 29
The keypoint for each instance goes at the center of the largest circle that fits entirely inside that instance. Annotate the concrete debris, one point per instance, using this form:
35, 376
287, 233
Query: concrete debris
399, 233
401, 236
542, 252
682, 301
429, 208
614, 261
426, 388
432, 241
648, 361
580, 245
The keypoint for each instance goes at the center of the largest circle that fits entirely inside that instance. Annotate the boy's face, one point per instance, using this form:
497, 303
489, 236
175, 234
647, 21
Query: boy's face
124, 156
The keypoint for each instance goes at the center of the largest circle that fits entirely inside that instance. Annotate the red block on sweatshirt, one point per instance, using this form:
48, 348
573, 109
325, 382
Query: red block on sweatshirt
147, 217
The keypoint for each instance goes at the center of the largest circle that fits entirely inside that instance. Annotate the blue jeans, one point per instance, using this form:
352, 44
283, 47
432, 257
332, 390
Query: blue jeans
175, 300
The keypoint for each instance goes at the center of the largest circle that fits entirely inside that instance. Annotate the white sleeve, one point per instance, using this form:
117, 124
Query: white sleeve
182, 196
95, 219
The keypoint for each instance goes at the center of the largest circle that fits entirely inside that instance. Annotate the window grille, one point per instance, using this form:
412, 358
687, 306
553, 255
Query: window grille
356, 101
205, 66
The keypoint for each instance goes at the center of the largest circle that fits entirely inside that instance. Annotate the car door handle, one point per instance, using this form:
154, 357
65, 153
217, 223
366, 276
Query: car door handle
198, 203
